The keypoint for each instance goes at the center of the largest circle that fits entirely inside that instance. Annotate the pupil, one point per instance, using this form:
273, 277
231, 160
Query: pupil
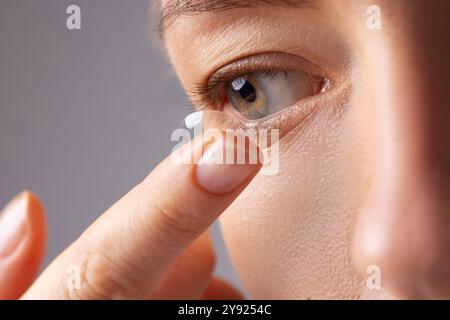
248, 92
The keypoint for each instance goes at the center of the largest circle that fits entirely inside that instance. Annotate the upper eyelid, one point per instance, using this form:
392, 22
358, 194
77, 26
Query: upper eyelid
267, 60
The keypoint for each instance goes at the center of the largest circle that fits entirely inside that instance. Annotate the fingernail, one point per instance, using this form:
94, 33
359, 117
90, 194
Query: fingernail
13, 224
219, 178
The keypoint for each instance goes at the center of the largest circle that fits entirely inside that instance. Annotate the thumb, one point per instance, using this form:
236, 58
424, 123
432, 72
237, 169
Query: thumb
22, 244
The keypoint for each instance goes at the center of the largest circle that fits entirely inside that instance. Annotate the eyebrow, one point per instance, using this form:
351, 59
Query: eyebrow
174, 9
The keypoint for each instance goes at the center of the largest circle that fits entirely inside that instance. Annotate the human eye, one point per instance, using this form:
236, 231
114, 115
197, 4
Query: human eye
261, 87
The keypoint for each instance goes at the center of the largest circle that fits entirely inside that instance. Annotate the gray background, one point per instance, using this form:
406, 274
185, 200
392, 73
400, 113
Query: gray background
84, 114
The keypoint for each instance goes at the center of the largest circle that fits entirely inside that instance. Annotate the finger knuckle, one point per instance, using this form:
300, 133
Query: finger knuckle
176, 221
101, 278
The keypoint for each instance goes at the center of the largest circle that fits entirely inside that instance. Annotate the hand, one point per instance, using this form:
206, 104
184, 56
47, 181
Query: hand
151, 244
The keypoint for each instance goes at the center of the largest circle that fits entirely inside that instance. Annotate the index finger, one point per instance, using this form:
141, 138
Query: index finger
125, 253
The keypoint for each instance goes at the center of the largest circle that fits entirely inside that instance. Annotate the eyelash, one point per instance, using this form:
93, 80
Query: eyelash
212, 93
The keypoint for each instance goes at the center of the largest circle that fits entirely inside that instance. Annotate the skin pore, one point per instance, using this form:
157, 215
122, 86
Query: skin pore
364, 179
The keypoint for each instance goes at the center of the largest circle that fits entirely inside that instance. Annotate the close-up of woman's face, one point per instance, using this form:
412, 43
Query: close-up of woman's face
360, 93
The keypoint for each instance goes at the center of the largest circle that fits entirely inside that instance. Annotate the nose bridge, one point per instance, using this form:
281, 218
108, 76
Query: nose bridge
407, 85
396, 105
403, 226
410, 146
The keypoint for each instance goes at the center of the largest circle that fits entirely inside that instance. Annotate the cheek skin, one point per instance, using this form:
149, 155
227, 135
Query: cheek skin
289, 235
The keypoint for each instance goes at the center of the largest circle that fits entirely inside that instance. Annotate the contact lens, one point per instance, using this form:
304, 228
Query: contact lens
201, 121
208, 126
